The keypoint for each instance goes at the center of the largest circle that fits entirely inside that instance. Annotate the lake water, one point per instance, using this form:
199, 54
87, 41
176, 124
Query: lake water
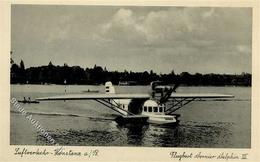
203, 124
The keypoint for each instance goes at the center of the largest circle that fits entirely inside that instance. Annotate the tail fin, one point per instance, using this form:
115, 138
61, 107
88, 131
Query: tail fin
109, 87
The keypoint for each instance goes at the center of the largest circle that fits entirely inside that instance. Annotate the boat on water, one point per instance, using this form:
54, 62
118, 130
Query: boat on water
90, 91
22, 101
28, 101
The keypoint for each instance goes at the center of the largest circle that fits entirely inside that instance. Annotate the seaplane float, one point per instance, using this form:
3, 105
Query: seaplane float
156, 107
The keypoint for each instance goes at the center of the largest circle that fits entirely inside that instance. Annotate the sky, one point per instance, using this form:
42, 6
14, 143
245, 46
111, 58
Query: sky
162, 39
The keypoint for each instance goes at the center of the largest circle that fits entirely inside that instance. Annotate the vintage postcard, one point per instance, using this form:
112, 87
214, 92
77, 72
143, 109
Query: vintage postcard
130, 81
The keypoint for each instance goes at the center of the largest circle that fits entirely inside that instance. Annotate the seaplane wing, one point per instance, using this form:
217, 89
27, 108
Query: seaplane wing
200, 95
131, 96
95, 96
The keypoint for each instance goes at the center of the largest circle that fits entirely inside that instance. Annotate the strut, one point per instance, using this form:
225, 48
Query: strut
112, 106
177, 104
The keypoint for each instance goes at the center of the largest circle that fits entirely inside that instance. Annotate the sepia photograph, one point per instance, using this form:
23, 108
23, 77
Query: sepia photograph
135, 76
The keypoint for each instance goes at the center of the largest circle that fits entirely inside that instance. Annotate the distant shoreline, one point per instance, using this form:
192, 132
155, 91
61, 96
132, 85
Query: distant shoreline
76, 75
133, 85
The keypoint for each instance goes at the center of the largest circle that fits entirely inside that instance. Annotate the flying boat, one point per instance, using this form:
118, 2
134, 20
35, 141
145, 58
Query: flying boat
159, 106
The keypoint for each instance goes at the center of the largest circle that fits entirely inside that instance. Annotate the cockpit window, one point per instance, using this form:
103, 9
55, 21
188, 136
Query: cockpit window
145, 108
160, 109
150, 109
155, 109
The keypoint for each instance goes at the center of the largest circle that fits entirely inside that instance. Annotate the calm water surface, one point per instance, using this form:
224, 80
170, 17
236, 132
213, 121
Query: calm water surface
211, 124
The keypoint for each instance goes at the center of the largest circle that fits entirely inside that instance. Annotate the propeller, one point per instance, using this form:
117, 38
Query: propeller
176, 86
168, 93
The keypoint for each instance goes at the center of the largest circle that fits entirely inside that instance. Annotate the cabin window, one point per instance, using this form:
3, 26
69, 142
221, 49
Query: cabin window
123, 106
150, 109
107, 90
155, 109
160, 109
145, 108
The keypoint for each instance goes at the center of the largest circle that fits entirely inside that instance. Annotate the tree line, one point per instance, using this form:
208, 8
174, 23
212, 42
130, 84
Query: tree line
51, 74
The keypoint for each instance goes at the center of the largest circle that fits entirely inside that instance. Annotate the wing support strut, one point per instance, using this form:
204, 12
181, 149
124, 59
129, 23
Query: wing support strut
112, 106
179, 104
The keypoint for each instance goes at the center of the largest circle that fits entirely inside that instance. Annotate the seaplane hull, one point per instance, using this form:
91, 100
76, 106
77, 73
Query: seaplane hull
163, 119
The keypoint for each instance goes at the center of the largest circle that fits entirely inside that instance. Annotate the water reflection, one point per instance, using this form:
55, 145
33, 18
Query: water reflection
166, 136
134, 133
187, 134
150, 134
